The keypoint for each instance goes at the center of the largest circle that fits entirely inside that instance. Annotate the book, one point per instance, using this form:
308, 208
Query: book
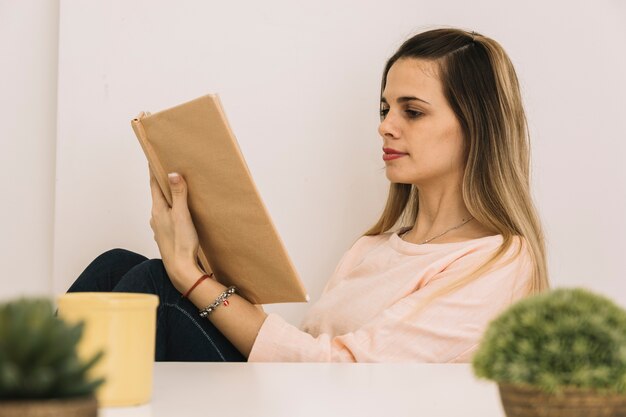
239, 242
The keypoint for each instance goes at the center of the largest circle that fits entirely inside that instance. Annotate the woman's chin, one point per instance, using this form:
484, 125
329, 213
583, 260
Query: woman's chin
397, 177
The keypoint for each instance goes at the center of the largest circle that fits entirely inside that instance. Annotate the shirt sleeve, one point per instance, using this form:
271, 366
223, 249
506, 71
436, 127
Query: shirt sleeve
447, 329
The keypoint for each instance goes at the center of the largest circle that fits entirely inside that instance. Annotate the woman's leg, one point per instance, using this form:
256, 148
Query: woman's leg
104, 272
182, 335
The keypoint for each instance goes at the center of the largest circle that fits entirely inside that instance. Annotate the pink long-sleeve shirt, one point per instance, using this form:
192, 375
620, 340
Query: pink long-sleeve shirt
360, 316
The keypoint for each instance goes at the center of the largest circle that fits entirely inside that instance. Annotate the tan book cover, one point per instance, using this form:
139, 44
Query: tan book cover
238, 240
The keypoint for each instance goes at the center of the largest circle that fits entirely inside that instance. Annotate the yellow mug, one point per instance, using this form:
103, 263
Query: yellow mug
124, 326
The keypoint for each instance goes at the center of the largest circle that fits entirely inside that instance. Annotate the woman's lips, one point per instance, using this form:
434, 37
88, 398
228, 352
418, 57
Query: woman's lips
390, 156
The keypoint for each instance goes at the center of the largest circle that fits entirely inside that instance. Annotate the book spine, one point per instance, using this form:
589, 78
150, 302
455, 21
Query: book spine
161, 177
155, 165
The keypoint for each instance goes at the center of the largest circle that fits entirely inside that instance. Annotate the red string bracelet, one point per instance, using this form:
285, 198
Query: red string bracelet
202, 278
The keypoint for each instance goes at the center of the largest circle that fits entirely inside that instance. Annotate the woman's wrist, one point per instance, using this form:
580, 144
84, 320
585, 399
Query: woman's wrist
185, 276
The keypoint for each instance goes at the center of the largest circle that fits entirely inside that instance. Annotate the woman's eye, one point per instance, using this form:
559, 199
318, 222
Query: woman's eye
413, 113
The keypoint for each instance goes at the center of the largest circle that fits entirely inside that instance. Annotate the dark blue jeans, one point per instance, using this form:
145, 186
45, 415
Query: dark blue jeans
181, 335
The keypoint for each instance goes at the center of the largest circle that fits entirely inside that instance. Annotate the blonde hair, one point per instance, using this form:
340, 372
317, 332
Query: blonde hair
481, 86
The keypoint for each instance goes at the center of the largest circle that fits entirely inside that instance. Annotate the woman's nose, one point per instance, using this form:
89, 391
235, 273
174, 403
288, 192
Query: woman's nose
388, 128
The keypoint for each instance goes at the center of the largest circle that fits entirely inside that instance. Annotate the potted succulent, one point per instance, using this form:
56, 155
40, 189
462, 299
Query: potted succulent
40, 372
559, 353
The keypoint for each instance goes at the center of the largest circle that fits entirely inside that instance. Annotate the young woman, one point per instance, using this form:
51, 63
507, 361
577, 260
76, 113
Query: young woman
456, 150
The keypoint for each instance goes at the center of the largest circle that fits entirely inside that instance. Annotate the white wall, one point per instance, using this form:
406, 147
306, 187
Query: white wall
299, 82
28, 75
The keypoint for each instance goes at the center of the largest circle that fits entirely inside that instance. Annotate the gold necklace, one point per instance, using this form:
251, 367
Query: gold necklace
441, 234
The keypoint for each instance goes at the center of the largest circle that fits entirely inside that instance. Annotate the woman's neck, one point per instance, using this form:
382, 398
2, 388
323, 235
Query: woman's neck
444, 212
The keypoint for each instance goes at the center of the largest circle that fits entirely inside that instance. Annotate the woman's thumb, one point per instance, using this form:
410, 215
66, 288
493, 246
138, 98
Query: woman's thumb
177, 186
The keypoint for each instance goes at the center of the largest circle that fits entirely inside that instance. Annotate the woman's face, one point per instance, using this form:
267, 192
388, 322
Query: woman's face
422, 139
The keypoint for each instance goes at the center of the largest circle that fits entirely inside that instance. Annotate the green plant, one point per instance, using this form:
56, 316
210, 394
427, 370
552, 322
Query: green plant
557, 339
38, 358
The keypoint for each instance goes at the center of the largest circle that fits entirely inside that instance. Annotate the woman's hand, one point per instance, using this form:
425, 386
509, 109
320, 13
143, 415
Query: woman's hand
173, 229
177, 239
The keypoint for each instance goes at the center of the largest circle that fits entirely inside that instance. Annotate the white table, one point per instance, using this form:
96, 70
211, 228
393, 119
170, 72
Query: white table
315, 389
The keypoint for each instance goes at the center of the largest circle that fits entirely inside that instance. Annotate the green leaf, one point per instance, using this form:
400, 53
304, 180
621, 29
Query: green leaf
563, 337
38, 357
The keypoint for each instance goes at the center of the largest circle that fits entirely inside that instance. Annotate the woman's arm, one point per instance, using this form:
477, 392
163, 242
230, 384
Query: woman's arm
240, 321
446, 330
177, 240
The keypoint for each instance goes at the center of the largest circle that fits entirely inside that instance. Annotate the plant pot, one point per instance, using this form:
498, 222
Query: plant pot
526, 401
65, 407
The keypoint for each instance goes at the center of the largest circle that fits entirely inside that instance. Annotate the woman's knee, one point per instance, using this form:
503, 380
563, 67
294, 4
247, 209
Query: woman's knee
149, 276
155, 268
119, 255
104, 272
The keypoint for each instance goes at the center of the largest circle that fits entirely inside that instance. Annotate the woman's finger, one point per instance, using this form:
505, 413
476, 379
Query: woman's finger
158, 199
178, 186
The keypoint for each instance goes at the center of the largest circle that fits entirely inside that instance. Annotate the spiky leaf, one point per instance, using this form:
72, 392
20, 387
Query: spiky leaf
38, 357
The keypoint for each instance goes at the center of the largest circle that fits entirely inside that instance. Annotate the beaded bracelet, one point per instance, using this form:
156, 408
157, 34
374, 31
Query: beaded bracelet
204, 313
